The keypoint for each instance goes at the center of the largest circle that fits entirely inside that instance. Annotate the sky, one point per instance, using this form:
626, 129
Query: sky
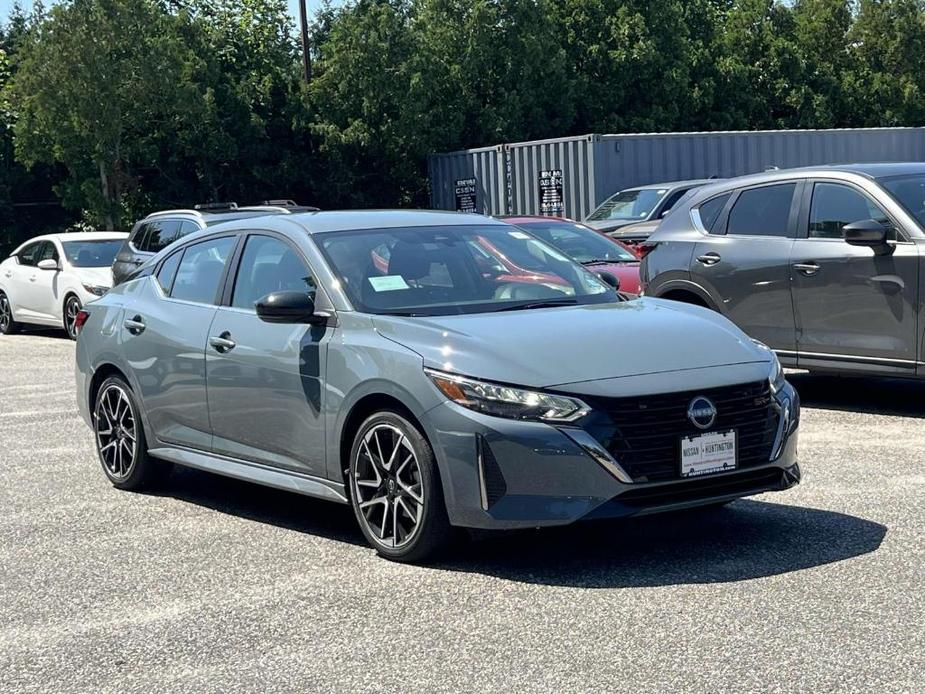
7, 5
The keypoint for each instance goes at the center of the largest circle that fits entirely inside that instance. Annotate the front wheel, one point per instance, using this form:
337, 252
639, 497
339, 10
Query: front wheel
395, 489
71, 308
120, 439
8, 326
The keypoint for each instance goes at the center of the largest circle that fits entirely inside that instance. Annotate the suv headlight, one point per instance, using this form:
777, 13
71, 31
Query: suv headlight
96, 289
506, 401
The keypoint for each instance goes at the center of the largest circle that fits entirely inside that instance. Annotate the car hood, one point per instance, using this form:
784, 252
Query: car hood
627, 273
542, 348
100, 276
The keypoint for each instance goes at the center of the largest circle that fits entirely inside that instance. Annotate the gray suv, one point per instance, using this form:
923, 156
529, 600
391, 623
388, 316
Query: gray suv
822, 264
375, 359
159, 229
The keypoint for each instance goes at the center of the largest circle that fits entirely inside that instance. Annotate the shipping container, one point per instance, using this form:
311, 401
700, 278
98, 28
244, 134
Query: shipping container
571, 176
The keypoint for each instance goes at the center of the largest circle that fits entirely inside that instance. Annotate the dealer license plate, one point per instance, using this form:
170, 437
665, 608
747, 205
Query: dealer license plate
708, 454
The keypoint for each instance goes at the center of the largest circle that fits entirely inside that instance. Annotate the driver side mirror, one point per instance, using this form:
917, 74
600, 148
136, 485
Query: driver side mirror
48, 264
610, 279
867, 232
289, 307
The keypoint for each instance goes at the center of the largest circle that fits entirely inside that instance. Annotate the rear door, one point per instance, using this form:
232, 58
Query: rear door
18, 277
129, 258
852, 303
265, 379
164, 335
744, 263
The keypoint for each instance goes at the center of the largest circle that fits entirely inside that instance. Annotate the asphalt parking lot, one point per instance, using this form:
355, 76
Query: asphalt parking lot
215, 585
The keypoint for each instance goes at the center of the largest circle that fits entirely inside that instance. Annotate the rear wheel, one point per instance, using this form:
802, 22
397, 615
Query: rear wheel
395, 489
120, 439
72, 307
8, 326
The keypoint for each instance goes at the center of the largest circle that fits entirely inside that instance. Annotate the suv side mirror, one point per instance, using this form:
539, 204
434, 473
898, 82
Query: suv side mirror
288, 307
48, 264
867, 232
610, 279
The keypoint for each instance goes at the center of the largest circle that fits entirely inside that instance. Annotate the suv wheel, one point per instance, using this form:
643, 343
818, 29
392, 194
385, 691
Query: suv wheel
120, 439
7, 325
395, 489
72, 307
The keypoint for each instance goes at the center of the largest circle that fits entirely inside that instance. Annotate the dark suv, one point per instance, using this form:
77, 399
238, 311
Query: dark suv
159, 229
822, 263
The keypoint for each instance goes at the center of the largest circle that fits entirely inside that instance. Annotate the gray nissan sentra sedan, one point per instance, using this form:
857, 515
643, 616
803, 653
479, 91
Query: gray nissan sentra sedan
388, 360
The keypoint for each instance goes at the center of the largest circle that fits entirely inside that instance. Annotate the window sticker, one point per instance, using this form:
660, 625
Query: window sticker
388, 283
519, 235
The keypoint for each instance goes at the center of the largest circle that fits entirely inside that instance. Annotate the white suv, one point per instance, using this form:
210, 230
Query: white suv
48, 279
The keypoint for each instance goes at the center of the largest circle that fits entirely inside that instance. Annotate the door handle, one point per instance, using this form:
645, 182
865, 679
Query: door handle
807, 268
135, 261
135, 325
32, 279
709, 258
222, 343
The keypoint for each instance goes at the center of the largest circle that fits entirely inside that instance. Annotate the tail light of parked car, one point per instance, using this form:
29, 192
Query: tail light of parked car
79, 320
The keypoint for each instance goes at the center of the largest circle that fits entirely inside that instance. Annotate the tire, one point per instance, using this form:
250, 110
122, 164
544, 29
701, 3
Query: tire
395, 490
120, 439
8, 326
72, 307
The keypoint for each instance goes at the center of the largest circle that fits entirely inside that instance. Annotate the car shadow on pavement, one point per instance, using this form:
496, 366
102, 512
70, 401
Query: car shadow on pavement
889, 396
263, 504
745, 540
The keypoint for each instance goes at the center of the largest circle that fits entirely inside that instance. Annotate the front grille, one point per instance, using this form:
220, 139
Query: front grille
644, 433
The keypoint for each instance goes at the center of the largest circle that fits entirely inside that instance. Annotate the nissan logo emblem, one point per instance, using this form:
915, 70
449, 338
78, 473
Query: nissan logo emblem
701, 412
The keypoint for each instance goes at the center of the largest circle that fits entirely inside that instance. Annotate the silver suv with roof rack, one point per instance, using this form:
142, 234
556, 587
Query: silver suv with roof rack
159, 229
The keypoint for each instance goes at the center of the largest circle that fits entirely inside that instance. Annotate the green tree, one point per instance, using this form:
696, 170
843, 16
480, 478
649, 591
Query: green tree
96, 83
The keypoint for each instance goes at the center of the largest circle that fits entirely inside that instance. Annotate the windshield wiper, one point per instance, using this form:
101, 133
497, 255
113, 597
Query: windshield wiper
544, 303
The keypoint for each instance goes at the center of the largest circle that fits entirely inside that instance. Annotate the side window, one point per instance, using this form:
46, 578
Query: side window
710, 211
187, 227
269, 265
835, 205
672, 200
161, 234
48, 252
31, 254
762, 211
168, 271
138, 238
200, 270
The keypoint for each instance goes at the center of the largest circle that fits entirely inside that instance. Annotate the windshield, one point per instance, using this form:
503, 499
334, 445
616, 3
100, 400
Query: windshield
578, 242
910, 192
92, 253
629, 204
431, 271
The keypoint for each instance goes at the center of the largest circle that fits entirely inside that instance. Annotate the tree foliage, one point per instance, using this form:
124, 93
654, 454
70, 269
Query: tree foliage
125, 106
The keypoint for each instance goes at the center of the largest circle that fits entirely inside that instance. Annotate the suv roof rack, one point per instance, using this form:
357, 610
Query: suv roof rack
282, 202
216, 206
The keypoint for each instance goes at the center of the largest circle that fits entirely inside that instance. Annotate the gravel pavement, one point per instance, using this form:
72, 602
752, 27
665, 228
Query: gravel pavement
217, 586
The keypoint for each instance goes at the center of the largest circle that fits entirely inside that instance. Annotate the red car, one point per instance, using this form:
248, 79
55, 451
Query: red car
594, 250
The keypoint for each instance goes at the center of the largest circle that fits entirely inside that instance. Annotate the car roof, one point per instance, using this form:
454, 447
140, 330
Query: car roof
75, 236
216, 216
870, 170
672, 184
527, 218
350, 220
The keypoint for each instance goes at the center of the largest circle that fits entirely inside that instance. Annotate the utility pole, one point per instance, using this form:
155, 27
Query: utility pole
306, 57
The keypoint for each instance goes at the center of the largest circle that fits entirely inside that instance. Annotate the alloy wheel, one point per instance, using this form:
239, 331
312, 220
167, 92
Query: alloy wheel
6, 313
115, 431
387, 486
71, 309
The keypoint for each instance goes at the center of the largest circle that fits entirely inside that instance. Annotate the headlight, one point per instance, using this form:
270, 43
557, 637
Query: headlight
96, 289
776, 374
505, 401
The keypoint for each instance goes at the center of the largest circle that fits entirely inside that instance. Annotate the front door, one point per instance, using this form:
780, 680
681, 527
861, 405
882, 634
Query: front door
164, 330
265, 379
853, 303
39, 291
744, 263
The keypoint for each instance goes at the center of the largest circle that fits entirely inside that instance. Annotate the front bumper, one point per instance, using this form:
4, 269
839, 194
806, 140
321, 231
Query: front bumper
505, 474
